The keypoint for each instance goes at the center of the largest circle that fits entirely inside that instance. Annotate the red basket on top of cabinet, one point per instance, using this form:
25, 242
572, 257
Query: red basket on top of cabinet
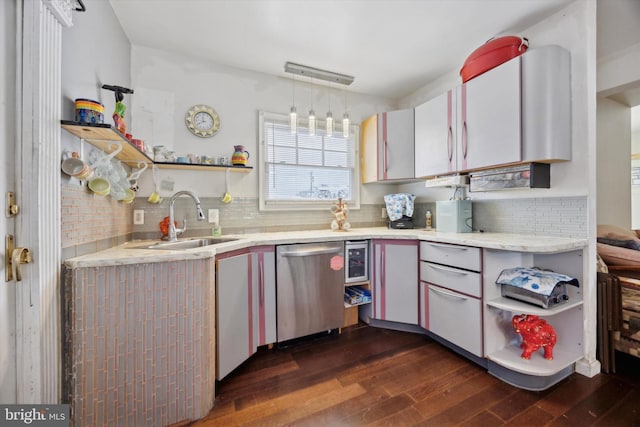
491, 54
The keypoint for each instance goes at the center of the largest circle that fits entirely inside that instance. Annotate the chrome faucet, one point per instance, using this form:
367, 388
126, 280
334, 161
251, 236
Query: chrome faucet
173, 231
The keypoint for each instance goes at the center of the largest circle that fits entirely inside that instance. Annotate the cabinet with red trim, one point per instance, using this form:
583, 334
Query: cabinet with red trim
518, 112
387, 146
246, 305
436, 136
263, 276
395, 280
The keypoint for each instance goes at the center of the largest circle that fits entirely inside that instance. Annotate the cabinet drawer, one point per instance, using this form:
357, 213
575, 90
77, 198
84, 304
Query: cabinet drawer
456, 318
456, 256
467, 282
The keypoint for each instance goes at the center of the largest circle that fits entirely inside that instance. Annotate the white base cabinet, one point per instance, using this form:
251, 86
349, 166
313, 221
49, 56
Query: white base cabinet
457, 318
450, 274
246, 305
233, 323
461, 303
395, 280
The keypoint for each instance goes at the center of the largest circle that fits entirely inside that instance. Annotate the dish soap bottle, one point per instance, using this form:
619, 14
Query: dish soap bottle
428, 218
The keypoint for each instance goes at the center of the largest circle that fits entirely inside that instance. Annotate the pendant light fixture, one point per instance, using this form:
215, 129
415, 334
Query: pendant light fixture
345, 117
316, 73
312, 114
293, 114
329, 119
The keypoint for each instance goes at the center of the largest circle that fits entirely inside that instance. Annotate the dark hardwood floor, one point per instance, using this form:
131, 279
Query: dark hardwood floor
378, 377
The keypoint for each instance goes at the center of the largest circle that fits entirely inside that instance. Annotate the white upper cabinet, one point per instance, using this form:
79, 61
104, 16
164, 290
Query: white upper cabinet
518, 112
396, 144
387, 146
435, 136
546, 105
489, 124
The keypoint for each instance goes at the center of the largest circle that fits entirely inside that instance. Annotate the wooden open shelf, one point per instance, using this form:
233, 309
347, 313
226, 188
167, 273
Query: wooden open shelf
189, 166
103, 136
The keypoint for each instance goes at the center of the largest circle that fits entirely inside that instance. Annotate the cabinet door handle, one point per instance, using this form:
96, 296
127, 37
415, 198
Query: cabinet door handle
450, 146
449, 294
464, 140
383, 270
448, 270
385, 155
444, 246
261, 281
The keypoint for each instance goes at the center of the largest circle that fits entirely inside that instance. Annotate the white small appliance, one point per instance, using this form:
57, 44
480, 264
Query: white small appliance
454, 216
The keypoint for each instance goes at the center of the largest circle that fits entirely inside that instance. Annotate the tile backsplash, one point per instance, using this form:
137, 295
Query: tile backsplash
243, 216
558, 216
92, 223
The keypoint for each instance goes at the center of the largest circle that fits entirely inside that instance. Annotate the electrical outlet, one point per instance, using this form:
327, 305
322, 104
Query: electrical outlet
138, 216
384, 213
214, 216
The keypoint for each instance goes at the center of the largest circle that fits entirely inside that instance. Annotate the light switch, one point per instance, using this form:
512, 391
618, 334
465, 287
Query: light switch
138, 216
214, 216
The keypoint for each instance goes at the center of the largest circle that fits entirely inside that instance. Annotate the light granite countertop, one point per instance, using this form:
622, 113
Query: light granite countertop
135, 252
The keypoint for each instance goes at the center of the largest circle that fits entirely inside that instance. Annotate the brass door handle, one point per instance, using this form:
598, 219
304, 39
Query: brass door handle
14, 258
19, 256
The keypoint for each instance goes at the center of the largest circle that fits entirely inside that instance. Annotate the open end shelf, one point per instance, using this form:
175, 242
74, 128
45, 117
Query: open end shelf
509, 357
508, 304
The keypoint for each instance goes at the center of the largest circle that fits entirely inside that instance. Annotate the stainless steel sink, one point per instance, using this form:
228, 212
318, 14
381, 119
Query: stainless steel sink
186, 244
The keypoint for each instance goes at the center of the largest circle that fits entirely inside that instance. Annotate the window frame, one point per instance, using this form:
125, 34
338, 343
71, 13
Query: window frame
288, 205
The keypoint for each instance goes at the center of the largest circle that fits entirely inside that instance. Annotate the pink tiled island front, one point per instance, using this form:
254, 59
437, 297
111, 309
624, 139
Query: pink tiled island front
140, 342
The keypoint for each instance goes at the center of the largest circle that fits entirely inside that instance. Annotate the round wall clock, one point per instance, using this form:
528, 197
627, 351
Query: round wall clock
202, 121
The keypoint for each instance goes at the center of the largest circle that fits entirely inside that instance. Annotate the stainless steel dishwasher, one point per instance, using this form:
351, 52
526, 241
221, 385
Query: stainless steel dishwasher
310, 288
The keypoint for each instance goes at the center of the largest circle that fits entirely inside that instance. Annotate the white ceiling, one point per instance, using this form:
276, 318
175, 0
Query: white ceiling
391, 47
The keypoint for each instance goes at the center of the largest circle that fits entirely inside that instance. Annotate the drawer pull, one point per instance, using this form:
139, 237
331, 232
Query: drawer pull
448, 270
445, 246
449, 294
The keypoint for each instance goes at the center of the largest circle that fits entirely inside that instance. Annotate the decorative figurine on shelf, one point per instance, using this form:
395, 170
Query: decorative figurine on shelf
536, 333
118, 114
118, 117
340, 211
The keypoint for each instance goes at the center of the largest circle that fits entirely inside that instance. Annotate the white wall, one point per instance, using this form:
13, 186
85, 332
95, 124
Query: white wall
614, 164
95, 51
168, 84
570, 29
618, 72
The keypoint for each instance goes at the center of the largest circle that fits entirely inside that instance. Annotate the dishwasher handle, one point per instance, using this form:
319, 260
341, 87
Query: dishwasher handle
311, 252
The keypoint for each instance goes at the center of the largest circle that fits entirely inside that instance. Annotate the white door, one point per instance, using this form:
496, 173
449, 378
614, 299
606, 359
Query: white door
30, 355
7, 183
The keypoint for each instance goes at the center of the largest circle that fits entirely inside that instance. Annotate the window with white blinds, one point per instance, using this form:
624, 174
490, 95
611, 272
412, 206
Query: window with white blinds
306, 171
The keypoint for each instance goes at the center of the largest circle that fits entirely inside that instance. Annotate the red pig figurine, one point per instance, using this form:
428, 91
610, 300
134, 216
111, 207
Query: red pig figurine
536, 333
